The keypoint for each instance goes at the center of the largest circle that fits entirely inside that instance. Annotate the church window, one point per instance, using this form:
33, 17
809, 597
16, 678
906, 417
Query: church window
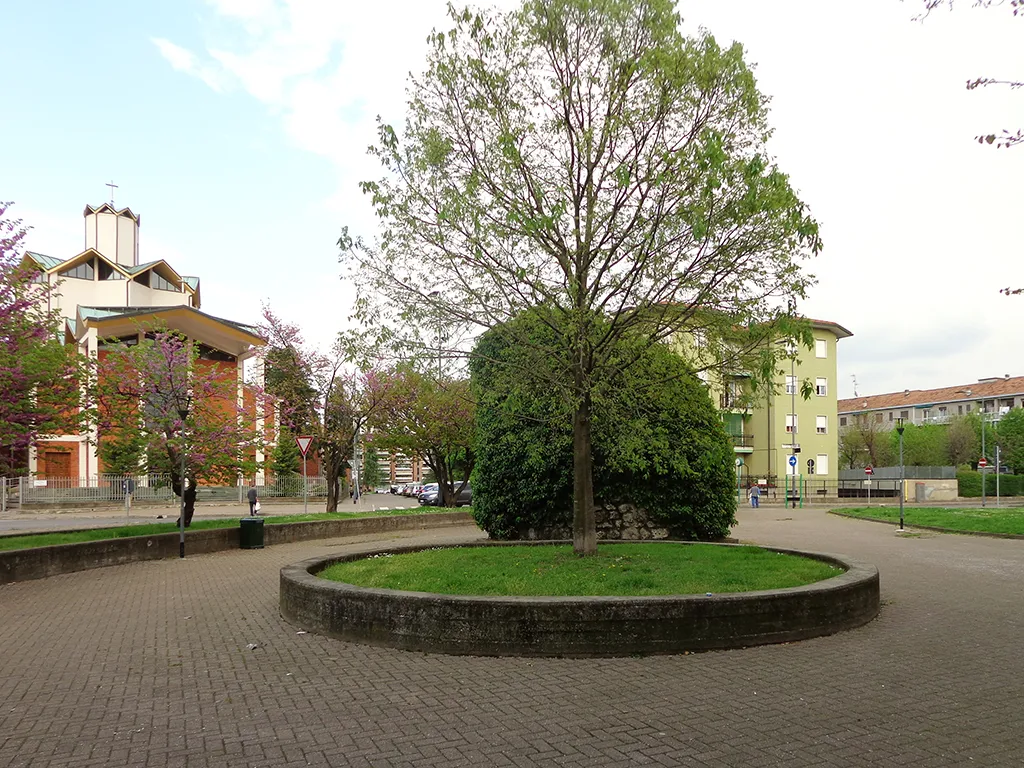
209, 353
83, 271
107, 272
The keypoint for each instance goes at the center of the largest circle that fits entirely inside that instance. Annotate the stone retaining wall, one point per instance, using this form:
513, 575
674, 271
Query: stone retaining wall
575, 626
614, 522
40, 562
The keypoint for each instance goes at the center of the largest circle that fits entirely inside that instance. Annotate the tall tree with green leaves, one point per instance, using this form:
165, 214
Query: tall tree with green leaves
372, 474
1010, 436
585, 162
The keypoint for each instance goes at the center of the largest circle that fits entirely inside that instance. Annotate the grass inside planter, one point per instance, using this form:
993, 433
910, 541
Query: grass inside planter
617, 569
989, 519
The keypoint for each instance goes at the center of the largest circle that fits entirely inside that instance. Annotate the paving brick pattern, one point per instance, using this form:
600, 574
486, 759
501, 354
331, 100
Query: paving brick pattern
147, 665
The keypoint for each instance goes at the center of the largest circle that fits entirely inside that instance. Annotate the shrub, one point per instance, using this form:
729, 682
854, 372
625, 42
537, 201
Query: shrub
970, 484
657, 442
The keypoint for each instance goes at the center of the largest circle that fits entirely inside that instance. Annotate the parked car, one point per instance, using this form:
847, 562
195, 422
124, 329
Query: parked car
426, 490
433, 499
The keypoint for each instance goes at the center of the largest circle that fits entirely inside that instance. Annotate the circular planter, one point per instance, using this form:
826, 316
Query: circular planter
575, 626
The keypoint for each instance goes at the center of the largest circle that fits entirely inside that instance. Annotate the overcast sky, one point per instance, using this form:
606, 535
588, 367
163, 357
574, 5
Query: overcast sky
238, 128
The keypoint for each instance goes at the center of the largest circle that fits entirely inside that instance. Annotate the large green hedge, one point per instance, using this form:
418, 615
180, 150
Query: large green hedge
657, 442
970, 484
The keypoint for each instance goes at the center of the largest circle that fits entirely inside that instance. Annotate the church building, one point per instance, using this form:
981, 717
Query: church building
106, 293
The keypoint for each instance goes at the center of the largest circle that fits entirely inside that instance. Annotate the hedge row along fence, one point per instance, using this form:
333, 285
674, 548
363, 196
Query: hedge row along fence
970, 484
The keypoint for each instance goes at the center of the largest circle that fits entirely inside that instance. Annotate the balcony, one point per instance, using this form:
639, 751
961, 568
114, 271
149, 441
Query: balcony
742, 443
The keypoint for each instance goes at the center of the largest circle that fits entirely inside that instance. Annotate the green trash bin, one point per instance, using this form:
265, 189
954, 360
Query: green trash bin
251, 533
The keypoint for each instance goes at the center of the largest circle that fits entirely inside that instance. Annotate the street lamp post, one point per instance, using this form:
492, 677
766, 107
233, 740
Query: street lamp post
982, 468
899, 429
183, 413
792, 410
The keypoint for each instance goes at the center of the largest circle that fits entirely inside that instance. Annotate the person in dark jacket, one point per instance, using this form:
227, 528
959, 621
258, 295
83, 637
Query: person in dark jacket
252, 502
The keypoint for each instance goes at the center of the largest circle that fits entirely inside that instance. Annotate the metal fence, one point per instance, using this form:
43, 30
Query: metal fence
909, 473
105, 489
811, 491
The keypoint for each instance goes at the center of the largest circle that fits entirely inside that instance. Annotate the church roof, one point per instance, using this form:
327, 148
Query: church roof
108, 208
44, 261
104, 313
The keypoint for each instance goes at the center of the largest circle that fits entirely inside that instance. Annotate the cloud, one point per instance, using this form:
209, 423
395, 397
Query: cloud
184, 60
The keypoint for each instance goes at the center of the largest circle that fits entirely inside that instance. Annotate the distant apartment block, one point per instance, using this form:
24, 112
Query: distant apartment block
993, 396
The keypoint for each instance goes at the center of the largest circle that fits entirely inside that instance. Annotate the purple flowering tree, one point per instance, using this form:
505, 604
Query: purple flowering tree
40, 377
143, 390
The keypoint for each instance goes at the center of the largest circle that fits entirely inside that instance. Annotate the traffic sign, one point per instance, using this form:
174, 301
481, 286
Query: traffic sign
982, 462
792, 461
810, 466
868, 470
304, 443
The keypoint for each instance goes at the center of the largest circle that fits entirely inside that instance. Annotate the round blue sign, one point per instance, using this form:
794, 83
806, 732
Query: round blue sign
792, 461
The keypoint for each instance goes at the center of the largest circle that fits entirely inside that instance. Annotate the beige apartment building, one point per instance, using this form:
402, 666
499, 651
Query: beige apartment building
993, 397
768, 429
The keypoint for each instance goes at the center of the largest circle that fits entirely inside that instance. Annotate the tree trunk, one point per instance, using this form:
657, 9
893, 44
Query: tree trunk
190, 501
584, 522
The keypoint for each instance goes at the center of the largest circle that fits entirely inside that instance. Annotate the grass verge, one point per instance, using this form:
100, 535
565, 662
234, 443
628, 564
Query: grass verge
617, 570
28, 541
967, 519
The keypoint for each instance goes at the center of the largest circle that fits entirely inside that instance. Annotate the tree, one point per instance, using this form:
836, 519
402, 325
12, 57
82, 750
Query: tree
962, 440
658, 443
372, 474
583, 161
865, 442
142, 390
286, 458
924, 445
432, 419
1010, 435
337, 402
40, 377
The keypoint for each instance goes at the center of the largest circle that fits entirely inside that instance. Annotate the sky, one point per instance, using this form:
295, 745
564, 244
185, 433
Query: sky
238, 130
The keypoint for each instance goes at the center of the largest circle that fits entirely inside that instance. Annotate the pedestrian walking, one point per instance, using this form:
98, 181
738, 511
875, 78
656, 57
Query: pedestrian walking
254, 504
755, 495
129, 491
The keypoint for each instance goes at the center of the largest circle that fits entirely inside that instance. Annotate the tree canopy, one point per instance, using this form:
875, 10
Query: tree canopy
584, 161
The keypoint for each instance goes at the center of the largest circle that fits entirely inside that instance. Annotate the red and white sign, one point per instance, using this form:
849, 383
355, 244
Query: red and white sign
304, 443
982, 462
868, 471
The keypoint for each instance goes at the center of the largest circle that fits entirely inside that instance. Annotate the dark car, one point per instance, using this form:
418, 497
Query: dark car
433, 499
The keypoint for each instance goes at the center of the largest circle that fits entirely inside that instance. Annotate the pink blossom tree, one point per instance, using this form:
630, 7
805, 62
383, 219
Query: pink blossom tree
39, 376
321, 394
159, 388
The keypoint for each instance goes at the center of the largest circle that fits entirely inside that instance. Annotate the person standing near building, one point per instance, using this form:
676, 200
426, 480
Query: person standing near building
254, 504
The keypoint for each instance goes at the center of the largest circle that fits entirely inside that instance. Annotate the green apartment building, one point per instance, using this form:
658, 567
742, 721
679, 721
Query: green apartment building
767, 429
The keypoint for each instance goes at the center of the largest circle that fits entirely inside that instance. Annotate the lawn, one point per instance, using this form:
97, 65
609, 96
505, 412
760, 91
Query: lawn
983, 520
618, 569
152, 529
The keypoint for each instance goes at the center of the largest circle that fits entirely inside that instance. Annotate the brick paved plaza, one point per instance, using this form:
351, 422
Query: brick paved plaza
146, 664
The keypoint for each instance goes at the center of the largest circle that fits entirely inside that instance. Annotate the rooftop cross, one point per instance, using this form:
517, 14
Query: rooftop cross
112, 186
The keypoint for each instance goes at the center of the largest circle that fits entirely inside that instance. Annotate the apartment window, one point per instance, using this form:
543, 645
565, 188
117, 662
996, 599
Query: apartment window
842, 421
968, 407
821, 387
821, 425
821, 464
906, 414
927, 414
959, 410
942, 411
878, 418
820, 348
890, 415
791, 385
792, 425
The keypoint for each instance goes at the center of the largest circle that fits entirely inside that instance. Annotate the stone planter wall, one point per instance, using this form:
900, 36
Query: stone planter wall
615, 522
574, 626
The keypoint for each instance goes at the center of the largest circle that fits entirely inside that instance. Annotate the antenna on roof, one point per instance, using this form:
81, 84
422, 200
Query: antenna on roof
854, 377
